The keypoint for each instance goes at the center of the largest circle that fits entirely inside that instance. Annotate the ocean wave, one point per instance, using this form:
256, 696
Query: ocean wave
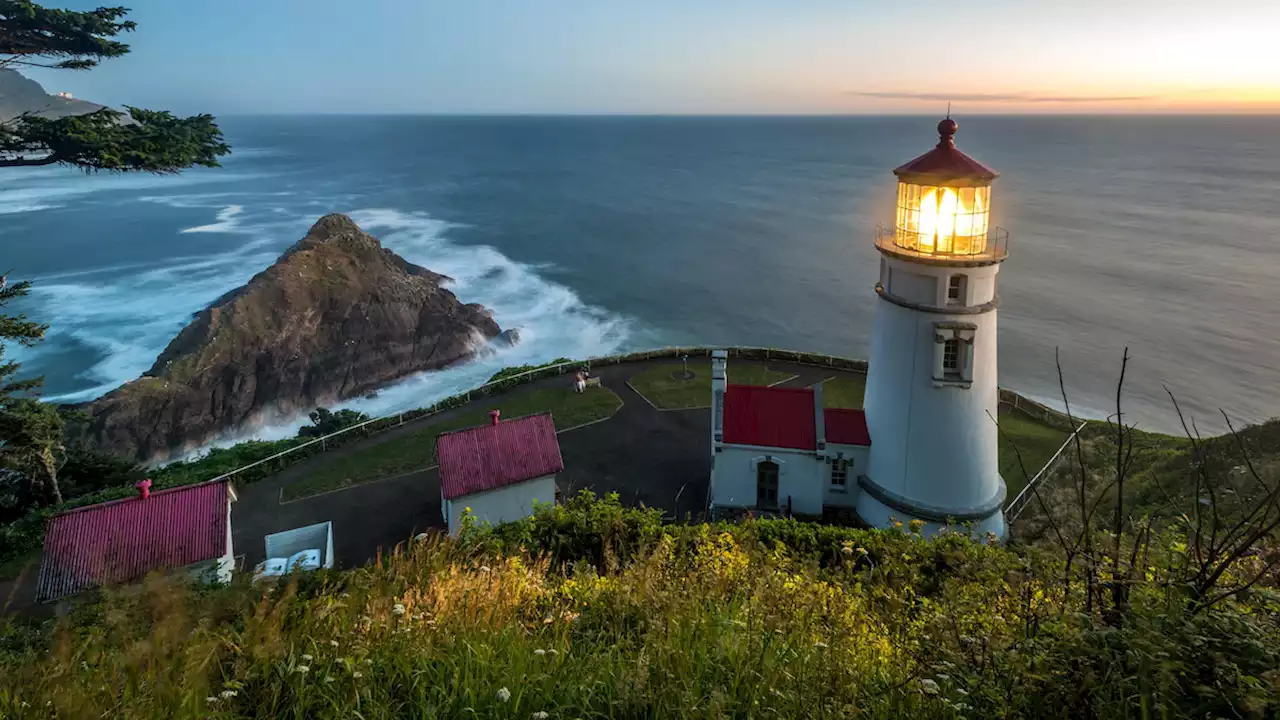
228, 222
32, 191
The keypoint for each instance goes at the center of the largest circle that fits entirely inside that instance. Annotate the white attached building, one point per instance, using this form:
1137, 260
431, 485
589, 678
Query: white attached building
184, 530
498, 471
778, 450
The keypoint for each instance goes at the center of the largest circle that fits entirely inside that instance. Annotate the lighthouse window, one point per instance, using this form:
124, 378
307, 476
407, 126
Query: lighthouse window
955, 290
951, 358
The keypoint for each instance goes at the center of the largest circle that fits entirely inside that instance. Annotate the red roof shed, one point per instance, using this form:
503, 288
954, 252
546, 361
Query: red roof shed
123, 540
784, 418
497, 455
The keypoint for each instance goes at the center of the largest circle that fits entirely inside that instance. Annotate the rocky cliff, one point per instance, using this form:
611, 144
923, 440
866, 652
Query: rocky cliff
20, 95
335, 317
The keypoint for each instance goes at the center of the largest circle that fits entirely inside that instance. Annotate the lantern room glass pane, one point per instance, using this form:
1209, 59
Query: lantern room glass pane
943, 220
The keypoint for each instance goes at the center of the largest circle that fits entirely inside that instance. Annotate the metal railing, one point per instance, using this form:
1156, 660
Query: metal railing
377, 425
907, 244
1020, 502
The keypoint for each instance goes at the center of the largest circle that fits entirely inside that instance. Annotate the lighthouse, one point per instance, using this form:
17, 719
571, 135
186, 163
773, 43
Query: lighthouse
932, 399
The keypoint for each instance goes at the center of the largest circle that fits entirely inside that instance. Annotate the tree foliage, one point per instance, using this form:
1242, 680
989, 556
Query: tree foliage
326, 422
141, 140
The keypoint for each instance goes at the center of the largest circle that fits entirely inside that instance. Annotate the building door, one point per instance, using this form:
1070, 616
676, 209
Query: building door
767, 485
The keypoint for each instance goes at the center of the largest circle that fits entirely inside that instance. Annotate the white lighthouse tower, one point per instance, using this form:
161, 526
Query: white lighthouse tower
931, 398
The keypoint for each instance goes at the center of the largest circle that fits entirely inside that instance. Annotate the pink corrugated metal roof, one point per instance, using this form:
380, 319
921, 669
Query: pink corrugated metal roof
846, 427
494, 456
124, 540
770, 416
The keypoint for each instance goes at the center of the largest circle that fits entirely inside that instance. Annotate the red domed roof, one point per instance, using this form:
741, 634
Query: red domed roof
945, 165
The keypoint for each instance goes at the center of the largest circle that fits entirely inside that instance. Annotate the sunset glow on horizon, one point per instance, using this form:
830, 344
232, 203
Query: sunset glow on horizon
672, 56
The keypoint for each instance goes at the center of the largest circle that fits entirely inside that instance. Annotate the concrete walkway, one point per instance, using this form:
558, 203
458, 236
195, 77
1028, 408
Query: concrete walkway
654, 458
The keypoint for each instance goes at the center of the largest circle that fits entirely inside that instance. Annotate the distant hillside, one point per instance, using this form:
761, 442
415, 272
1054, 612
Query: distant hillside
20, 95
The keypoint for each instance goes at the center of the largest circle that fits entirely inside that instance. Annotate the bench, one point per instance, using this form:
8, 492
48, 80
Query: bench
593, 382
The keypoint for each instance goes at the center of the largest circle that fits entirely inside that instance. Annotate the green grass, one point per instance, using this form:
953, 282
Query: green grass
662, 385
417, 450
590, 610
844, 391
1036, 442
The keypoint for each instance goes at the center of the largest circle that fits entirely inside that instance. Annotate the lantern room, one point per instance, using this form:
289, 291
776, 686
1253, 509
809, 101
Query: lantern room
944, 207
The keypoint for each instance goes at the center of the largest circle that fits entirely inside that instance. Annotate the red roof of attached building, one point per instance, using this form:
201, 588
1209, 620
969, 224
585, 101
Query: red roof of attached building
784, 418
769, 416
494, 456
124, 540
846, 427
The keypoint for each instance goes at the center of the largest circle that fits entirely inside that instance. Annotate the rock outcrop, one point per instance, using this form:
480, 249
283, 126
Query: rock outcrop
337, 316
19, 94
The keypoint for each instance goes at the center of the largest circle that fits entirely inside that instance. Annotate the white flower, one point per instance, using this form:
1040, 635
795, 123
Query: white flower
303, 669
553, 651
943, 676
820, 644
357, 674
541, 715
504, 694
928, 687
484, 568
342, 660
333, 643
398, 609
847, 549
24, 704
306, 657
539, 652
368, 661
211, 699
227, 694
346, 595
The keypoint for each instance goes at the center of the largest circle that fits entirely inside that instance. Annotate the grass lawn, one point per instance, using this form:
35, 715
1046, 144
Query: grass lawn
662, 385
844, 391
417, 450
1036, 443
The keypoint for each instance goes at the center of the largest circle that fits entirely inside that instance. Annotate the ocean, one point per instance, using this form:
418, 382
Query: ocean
598, 235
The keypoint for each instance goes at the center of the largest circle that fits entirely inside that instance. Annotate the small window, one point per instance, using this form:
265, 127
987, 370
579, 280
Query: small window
951, 358
955, 290
839, 474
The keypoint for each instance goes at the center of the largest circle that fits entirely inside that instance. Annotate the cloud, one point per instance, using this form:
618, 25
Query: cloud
1001, 97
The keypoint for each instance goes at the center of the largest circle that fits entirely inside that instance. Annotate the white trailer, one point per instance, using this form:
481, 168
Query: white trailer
304, 548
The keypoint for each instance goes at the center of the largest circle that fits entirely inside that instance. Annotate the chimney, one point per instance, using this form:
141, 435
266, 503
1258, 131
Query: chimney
144, 488
493, 416
819, 417
719, 384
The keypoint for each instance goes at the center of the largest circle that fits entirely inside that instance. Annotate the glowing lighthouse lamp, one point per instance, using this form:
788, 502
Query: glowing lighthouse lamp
931, 393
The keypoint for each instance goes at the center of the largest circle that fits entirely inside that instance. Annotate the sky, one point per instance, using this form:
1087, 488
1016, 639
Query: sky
690, 56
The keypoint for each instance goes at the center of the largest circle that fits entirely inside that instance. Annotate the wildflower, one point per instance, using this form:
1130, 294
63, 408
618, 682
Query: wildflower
504, 694
897, 523
847, 549
916, 525
553, 651
862, 551
368, 661
541, 715
398, 609
306, 657
943, 676
211, 699
333, 643
484, 569
346, 595
24, 704
227, 694
539, 652
820, 644
928, 687
357, 674
302, 669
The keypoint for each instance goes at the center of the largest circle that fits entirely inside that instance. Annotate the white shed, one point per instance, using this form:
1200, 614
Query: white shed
498, 471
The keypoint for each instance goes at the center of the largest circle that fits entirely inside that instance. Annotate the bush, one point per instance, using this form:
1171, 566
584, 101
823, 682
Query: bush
518, 369
324, 422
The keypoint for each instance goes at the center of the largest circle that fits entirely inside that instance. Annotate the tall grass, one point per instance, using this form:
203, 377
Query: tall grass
628, 618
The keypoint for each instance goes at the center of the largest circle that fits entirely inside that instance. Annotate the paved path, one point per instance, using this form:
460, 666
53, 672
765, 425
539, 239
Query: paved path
658, 458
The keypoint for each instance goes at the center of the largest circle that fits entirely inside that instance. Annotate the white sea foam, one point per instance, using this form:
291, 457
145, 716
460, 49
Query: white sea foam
228, 222
129, 317
50, 187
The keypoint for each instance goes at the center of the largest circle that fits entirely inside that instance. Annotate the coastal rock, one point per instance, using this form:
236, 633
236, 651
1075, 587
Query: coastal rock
508, 338
337, 316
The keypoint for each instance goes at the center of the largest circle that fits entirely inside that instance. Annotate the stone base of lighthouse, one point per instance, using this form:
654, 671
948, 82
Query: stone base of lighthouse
878, 508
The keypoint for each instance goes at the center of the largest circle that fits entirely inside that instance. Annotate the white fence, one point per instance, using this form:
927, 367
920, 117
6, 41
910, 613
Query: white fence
1019, 503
